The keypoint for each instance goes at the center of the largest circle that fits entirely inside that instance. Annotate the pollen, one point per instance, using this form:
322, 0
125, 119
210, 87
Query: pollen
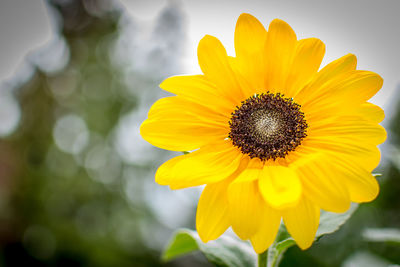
267, 126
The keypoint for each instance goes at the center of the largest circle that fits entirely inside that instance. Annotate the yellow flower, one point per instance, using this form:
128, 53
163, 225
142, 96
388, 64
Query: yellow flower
272, 137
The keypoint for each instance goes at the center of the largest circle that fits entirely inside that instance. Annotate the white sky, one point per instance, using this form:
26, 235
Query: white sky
369, 29
24, 27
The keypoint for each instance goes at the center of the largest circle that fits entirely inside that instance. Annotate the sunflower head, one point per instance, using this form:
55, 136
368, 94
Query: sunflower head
267, 126
274, 137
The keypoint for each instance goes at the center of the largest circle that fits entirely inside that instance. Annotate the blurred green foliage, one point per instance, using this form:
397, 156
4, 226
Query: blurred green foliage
70, 198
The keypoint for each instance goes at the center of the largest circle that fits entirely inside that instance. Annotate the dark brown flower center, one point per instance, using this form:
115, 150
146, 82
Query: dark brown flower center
267, 126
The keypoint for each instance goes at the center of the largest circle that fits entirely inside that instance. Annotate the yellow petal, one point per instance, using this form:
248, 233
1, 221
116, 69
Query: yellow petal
279, 48
214, 63
178, 124
367, 155
346, 174
302, 222
363, 112
339, 66
197, 88
321, 184
359, 85
370, 112
363, 187
335, 68
181, 133
209, 164
250, 37
269, 226
244, 208
212, 211
247, 75
307, 59
342, 93
351, 129
280, 186
360, 183
173, 107
251, 172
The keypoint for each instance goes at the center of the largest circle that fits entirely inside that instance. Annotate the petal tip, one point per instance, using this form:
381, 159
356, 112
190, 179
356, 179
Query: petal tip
281, 24
247, 17
159, 179
350, 60
351, 56
142, 130
259, 250
208, 37
165, 82
278, 21
304, 245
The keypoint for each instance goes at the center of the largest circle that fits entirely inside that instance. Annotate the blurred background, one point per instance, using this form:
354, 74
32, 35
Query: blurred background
77, 78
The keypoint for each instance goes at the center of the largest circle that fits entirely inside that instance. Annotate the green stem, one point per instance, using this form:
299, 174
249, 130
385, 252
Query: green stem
263, 259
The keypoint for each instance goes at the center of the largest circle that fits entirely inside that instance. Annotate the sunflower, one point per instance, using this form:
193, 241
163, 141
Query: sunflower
271, 136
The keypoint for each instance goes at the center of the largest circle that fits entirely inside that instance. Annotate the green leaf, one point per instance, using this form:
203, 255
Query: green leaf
181, 244
224, 252
329, 222
382, 235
